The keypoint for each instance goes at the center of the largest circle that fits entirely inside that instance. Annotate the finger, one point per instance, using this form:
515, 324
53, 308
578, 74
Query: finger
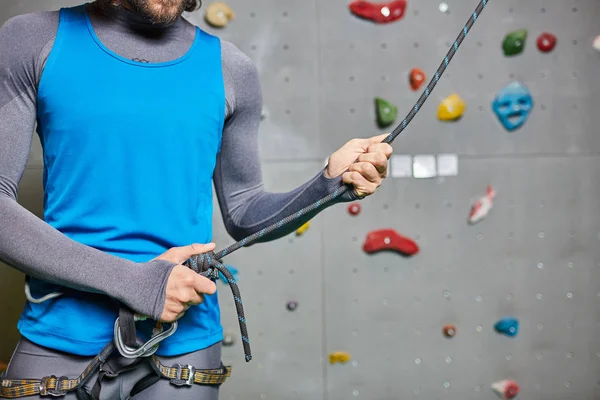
183, 253
378, 160
367, 170
362, 187
204, 285
383, 148
195, 298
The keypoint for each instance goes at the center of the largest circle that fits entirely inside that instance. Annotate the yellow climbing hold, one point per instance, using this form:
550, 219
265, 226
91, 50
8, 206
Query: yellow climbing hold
218, 14
303, 228
339, 357
451, 108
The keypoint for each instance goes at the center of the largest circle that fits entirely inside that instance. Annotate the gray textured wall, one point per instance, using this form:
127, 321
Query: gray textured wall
536, 256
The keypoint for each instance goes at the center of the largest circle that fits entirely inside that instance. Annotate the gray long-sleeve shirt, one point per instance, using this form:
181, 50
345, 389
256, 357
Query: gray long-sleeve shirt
35, 248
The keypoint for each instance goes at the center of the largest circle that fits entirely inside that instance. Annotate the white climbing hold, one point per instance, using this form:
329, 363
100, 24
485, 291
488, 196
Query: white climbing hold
597, 43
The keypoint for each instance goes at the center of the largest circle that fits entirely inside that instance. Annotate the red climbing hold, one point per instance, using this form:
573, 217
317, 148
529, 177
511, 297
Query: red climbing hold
354, 209
546, 42
380, 13
417, 77
389, 239
506, 389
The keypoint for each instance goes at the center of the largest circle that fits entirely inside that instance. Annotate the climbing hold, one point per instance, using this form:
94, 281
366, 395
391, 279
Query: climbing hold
264, 114
300, 231
514, 42
389, 239
546, 42
354, 209
512, 105
482, 207
339, 357
380, 13
596, 43
228, 338
232, 270
218, 14
506, 389
386, 112
451, 108
417, 78
507, 326
292, 305
449, 330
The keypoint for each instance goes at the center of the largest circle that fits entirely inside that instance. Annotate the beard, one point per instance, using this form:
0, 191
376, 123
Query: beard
162, 12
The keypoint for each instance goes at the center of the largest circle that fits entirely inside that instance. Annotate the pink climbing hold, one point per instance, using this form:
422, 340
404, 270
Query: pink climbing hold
506, 389
482, 207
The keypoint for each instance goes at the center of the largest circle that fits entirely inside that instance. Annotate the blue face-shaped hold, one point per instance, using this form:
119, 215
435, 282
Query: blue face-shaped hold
512, 105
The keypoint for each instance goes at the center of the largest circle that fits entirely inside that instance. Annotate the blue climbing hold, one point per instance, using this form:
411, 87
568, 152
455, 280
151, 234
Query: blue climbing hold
507, 326
232, 270
512, 105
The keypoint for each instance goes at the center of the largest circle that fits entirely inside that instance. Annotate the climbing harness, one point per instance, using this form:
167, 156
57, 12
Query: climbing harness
209, 266
179, 375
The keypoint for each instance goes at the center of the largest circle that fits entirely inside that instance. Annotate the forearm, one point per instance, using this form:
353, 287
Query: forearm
35, 248
259, 209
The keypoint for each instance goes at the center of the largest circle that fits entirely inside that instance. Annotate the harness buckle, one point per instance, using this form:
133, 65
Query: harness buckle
177, 381
57, 391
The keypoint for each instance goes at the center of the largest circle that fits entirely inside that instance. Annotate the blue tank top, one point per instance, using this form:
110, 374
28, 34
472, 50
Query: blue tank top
129, 153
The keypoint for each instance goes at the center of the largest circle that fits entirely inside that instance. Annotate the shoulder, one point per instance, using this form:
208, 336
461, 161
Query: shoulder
32, 26
26, 40
236, 62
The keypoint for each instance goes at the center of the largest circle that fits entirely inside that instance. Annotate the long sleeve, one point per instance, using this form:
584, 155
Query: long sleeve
246, 206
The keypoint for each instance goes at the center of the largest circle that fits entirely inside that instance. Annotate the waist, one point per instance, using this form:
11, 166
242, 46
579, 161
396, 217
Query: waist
82, 323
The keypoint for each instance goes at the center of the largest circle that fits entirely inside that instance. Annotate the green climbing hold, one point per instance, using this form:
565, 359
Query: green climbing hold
514, 42
386, 112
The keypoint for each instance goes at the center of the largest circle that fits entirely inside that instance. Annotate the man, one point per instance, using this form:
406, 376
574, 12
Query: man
138, 112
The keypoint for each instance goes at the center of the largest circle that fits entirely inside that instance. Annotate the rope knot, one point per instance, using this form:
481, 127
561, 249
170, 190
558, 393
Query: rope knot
202, 263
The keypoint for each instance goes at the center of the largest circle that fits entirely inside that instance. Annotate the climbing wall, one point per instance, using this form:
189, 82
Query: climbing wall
535, 257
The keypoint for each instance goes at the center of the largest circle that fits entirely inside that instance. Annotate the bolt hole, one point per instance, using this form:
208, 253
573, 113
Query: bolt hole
286, 47
543, 10
285, 14
416, 44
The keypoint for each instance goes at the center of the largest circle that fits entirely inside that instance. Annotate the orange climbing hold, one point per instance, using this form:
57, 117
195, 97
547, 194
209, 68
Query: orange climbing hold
389, 239
449, 330
339, 357
417, 78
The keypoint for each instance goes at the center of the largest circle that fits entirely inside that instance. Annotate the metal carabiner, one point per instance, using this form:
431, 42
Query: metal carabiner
146, 349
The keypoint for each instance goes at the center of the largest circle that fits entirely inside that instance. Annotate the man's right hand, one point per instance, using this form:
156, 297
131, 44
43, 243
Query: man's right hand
184, 287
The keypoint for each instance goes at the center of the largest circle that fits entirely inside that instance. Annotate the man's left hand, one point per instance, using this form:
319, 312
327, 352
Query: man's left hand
370, 168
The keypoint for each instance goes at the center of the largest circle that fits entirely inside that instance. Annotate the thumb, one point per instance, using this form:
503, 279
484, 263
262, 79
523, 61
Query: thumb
378, 138
183, 253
